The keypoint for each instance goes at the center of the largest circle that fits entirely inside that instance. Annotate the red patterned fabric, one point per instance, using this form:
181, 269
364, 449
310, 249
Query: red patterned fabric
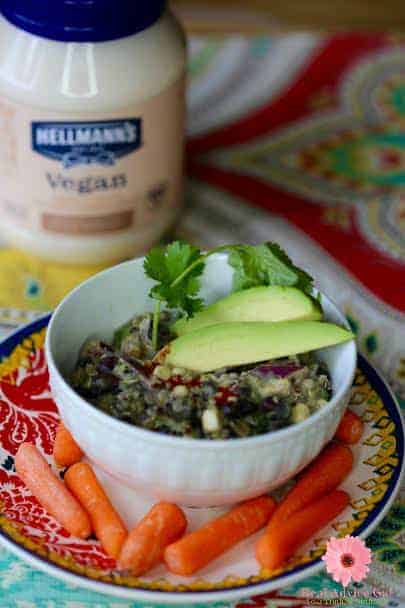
334, 71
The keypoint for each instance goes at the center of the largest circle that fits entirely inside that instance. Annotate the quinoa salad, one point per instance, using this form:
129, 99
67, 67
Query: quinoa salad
122, 380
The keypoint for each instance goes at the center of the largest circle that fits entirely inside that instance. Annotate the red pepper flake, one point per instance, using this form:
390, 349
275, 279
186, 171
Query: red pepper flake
179, 380
224, 395
148, 368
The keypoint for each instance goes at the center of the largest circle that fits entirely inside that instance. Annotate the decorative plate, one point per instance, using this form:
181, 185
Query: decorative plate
28, 413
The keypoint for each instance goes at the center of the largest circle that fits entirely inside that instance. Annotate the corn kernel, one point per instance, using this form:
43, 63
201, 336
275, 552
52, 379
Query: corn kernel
180, 390
162, 372
300, 412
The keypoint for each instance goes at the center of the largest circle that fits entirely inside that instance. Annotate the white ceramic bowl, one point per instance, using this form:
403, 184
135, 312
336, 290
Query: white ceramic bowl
187, 471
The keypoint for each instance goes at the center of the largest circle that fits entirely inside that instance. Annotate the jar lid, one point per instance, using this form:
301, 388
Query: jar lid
82, 20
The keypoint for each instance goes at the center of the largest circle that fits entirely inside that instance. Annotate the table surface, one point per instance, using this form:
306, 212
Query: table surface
260, 15
296, 138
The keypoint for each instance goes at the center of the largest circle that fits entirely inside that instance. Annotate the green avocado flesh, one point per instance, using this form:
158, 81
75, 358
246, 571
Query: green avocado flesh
233, 344
273, 303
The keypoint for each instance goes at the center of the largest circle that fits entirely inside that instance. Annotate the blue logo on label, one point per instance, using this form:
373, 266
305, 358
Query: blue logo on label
87, 143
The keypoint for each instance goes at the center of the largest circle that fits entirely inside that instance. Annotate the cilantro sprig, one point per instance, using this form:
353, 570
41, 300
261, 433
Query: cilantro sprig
266, 264
178, 267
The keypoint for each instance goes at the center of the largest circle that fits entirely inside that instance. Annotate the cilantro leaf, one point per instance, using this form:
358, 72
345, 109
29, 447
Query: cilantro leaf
179, 256
265, 264
177, 269
155, 264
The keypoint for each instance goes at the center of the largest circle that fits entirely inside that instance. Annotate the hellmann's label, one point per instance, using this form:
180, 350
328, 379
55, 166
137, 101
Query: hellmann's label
87, 143
69, 174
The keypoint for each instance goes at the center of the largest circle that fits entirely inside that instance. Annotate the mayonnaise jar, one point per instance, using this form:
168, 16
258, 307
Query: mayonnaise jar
91, 126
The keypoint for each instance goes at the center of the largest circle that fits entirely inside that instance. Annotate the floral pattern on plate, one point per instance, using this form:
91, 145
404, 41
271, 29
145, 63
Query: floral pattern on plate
28, 413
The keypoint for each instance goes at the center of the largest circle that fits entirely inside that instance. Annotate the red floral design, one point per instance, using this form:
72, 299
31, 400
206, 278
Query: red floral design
28, 413
21, 508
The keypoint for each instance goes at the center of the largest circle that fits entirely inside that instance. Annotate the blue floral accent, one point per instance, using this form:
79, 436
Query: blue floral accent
260, 46
398, 100
33, 288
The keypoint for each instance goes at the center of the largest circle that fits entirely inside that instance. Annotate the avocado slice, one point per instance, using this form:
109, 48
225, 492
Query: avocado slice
233, 344
271, 303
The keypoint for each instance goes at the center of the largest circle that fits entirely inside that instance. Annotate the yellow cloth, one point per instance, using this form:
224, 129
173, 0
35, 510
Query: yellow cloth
27, 282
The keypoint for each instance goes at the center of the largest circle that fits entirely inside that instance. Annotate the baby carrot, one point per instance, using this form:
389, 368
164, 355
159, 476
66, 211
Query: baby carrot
322, 476
350, 428
197, 549
143, 549
279, 544
107, 524
37, 475
65, 449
